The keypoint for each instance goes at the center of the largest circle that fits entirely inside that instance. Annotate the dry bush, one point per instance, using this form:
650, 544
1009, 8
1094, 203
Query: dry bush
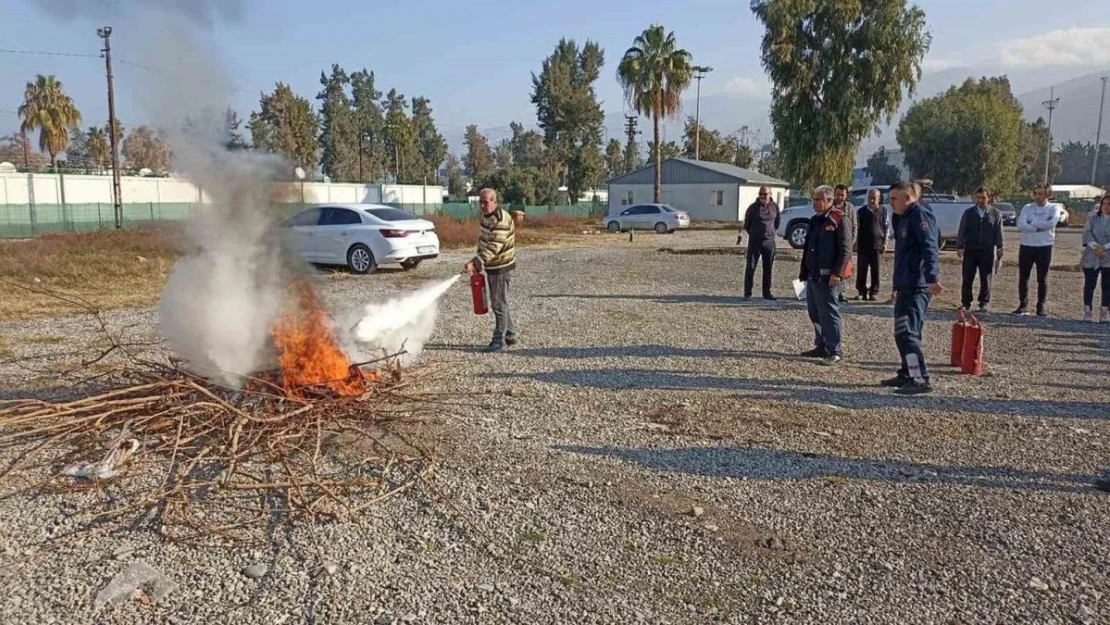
111, 268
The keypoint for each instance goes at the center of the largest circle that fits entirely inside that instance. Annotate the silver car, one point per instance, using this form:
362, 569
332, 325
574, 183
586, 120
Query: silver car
662, 218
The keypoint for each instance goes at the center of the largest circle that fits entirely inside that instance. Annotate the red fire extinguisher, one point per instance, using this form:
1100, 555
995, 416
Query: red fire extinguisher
972, 362
478, 293
958, 329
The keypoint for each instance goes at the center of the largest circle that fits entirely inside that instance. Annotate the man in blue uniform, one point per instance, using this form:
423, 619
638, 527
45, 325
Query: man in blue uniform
916, 280
824, 263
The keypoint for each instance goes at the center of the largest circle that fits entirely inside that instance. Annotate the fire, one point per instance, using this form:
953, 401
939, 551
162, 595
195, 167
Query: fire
308, 353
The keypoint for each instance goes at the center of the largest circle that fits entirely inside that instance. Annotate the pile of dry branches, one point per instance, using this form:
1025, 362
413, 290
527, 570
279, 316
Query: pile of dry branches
211, 462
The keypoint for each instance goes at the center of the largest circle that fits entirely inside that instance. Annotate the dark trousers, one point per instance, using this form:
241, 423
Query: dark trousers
868, 261
1090, 277
824, 312
759, 250
979, 262
1028, 256
910, 308
503, 328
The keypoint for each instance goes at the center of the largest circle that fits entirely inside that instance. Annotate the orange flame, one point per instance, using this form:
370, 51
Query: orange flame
309, 355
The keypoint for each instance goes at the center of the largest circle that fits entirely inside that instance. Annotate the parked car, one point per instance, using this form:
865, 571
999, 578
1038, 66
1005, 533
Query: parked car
361, 236
662, 218
794, 222
1009, 213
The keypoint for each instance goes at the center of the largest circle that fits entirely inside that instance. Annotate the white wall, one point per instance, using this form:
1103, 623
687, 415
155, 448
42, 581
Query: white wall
24, 189
694, 199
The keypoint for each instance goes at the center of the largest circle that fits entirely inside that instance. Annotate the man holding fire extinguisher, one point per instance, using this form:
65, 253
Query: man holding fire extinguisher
916, 281
497, 257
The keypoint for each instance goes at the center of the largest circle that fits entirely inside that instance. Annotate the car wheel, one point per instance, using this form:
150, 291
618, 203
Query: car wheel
360, 260
614, 227
796, 235
662, 228
410, 263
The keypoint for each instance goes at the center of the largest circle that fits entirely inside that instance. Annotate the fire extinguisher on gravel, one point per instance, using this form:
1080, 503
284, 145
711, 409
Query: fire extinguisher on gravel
479, 293
972, 360
958, 329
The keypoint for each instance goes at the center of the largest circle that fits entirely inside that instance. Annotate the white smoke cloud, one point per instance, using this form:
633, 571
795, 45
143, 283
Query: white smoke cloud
403, 322
201, 12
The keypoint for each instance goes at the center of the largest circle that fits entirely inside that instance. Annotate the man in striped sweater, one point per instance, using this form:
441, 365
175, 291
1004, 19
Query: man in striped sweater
497, 257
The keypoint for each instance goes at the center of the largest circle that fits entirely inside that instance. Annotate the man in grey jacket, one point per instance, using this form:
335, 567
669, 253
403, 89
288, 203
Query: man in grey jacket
1096, 260
841, 203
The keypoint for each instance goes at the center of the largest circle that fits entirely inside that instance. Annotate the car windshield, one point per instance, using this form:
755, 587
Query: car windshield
390, 214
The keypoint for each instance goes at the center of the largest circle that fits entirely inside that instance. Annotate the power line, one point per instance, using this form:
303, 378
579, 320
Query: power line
49, 53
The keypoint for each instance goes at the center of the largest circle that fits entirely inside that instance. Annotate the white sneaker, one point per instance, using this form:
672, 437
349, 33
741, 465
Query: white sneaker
1087, 314
1104, 315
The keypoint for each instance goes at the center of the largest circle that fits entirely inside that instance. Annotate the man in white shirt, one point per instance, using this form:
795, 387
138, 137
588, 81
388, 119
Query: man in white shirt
1037, 223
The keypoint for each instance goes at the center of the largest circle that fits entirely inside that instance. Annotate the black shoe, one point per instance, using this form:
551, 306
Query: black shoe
494, 346
747, 297
770, 298
915, 388
814, 353
870, 297
830, 361
984, 309
1021, 311
897, 381
1042, 311
511, 341
1103, 485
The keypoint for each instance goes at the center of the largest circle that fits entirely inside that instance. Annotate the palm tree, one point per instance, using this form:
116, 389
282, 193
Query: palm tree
654, 72
49, 110
97, 140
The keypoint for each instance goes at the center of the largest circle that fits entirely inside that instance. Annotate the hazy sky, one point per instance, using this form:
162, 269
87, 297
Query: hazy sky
474, 59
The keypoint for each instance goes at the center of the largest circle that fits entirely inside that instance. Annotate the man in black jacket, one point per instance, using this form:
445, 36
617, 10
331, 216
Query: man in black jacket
824, 259
874, 232
760, 222
979, 244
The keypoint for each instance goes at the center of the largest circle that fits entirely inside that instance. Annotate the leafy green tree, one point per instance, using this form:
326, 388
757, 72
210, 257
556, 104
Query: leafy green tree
48, 109
286, 125
653, 73
13, 149
77, 151
430, 144
880, 169
98, 146
339, 127
569, 113
745, 158
713, 147
773, 165
371, 122
967, 137
456, 186
1075, 161
838, 67
479, 157
401, 141
503, 154
146, 148
1034, 144
631, 154
232, 123
614, 158
670, 149
528, 149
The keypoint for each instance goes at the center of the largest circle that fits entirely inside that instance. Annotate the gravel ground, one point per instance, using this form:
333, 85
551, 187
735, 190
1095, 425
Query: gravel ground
653, 452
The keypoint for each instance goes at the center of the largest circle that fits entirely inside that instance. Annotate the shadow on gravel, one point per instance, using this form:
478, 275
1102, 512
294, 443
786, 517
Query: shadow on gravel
717, 300
646, 351
774, 464
814, 392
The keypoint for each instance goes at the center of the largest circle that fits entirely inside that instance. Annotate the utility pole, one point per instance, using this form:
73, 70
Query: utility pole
105, 33
26, 151
1098, 133
1051, 105
699, 72
630, 132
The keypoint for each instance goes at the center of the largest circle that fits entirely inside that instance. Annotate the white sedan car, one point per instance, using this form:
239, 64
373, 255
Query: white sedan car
361, 236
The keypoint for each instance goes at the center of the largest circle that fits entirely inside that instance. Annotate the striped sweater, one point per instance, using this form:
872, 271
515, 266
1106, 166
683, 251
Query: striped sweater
496, 242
